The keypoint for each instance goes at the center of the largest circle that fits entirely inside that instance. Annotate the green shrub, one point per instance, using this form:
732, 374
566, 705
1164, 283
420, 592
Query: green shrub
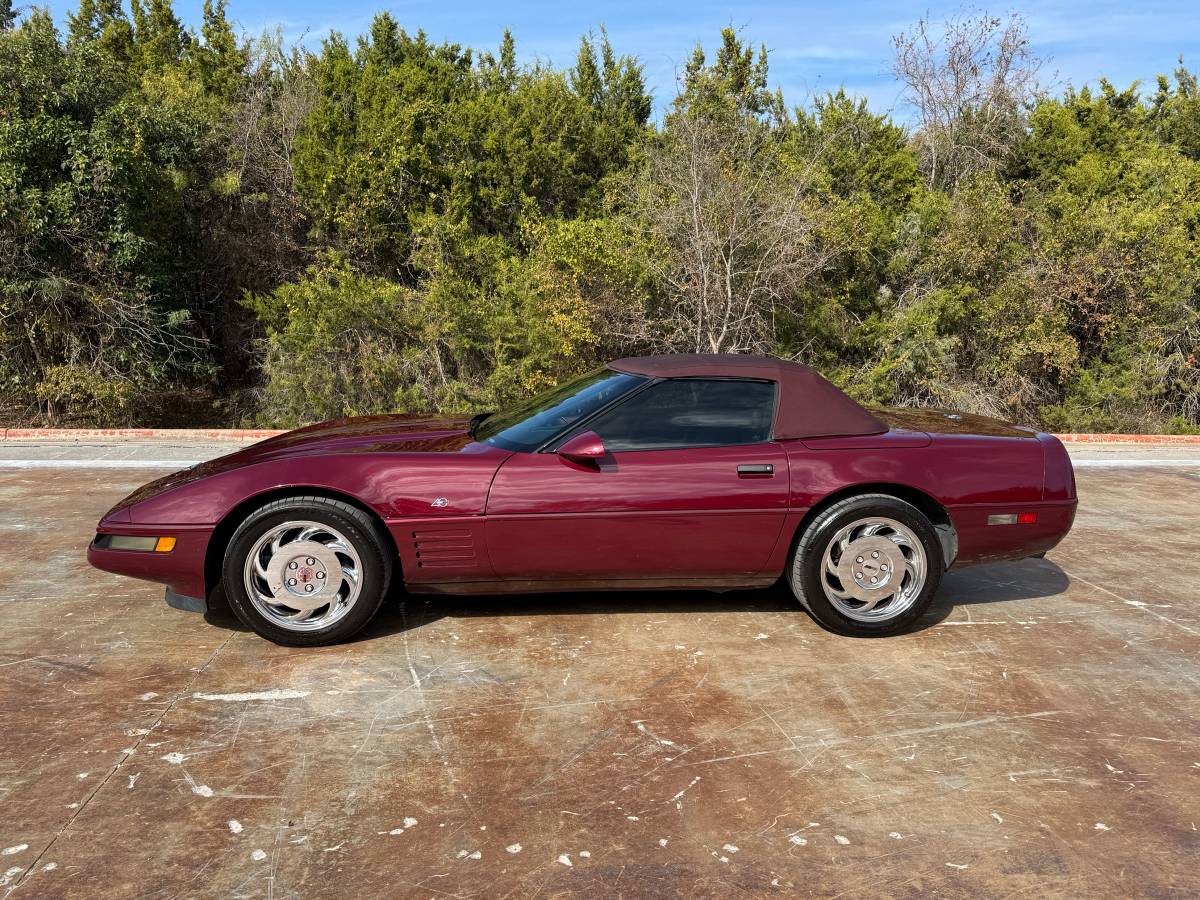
341, 344
80, 395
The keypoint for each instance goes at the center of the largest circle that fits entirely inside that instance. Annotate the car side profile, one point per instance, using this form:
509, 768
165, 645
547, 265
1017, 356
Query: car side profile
711, 472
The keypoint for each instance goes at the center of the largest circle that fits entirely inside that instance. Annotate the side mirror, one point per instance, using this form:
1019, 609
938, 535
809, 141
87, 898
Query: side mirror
585, 448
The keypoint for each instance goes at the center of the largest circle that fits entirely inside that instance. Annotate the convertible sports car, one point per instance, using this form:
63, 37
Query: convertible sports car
689, 471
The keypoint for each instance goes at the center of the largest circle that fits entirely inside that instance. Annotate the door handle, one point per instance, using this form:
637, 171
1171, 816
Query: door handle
751, 469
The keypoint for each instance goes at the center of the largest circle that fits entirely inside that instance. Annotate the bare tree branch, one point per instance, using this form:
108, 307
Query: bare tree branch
972, 82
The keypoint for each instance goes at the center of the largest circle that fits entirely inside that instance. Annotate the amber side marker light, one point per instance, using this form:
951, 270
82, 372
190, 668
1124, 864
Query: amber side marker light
1026, 518
134, 542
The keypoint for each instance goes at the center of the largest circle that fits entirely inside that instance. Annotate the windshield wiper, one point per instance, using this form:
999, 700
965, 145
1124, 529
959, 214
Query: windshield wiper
476, 421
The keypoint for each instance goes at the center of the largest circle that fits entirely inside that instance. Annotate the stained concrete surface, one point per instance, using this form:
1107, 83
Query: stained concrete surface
1039, 734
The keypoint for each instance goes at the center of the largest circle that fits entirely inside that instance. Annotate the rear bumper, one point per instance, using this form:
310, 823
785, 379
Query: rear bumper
979, 542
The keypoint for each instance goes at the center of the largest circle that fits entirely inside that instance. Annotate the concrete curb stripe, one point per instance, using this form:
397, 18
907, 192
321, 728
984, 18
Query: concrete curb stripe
172, 464
1163, 439
138, 434
1148, 463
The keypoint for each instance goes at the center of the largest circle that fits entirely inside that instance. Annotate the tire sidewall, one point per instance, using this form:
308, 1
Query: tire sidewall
806, 578
349, 522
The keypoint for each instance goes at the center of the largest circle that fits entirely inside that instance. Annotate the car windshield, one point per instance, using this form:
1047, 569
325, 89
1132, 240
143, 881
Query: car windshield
529, 425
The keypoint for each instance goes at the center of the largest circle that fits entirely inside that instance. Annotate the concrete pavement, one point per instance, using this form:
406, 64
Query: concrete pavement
1036, 735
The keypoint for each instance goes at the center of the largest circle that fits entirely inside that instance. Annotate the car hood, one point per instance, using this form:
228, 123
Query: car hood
394, 433
362, 434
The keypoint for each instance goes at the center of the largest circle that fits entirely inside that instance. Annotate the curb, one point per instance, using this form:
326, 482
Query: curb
258, 434
138, 434
1159, 439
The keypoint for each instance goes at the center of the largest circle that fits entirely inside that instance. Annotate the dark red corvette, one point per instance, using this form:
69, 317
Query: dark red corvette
710, 472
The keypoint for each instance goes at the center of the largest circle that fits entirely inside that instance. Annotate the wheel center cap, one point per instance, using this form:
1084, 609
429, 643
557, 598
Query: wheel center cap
302, 575
869, 566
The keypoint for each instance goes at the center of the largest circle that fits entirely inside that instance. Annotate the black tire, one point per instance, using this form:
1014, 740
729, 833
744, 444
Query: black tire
806, 579
356, 526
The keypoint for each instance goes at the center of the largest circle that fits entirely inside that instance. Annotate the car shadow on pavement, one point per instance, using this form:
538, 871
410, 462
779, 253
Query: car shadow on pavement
1004, 582
1000, 582
1025, 580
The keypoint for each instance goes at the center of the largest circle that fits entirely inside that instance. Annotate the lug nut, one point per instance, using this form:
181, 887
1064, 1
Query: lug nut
873, 580
291, 581
310, 561
858, 574
875, 554
320, 574
860, 559
293, 564
308, 588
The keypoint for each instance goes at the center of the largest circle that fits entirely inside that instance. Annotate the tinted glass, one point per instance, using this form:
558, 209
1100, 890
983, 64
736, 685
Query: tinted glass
529, 425
689, 413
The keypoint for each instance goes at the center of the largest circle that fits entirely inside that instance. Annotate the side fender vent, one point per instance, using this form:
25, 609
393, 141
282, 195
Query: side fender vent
444, 548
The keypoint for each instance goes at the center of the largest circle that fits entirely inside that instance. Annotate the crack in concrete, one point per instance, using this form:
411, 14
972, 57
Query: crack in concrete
117, 768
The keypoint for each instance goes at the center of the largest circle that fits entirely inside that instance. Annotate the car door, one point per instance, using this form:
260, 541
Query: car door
691, 488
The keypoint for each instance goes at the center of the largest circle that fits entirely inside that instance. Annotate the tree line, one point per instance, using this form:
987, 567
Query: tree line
200, 227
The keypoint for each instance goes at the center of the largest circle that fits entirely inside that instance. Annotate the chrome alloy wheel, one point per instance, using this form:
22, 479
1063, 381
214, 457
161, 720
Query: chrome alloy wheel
873, 569
303, 576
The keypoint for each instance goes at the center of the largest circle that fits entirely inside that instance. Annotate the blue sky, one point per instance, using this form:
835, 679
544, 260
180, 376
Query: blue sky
814, 46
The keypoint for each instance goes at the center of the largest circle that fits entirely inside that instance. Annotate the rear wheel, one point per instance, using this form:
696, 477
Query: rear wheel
867, 566
306, 571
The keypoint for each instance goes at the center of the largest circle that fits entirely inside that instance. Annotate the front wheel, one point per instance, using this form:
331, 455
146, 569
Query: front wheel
306, 571
867, 566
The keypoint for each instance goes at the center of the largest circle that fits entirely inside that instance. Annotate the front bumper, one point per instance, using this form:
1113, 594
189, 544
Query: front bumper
181, 570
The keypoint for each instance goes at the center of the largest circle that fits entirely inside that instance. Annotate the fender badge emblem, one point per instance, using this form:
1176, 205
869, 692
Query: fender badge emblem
440, 502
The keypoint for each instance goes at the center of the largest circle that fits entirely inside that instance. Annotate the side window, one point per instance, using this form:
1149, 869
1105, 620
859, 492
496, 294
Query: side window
689, 413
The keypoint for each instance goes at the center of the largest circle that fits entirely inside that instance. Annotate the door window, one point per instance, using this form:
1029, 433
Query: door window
689, 412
